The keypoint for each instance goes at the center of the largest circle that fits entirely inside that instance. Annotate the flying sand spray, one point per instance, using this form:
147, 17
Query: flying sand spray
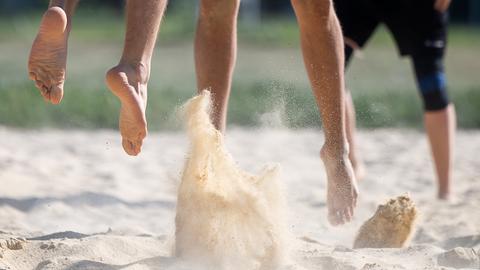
226, 218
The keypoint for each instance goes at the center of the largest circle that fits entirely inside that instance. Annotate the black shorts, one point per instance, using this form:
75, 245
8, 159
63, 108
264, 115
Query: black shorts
418, 29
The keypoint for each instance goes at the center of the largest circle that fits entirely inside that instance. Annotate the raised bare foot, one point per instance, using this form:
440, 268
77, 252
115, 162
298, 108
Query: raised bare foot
342, 188
129, 84
48, 57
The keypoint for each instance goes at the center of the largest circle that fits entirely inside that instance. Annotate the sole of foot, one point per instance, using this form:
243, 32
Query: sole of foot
48, 56
127, 83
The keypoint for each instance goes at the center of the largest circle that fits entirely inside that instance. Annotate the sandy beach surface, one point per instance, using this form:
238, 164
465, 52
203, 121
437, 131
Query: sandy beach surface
74, 200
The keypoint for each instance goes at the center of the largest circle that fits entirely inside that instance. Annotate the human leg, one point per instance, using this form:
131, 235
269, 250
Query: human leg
48, 56
439, 118
359, 21
350, 117
215, 53
440, 126
351, 129
128, 80
322, 48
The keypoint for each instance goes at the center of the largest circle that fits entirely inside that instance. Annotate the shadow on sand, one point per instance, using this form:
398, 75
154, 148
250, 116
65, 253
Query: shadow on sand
155, 263
85, 198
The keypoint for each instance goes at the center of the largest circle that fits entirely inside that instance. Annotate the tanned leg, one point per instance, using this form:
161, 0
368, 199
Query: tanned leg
351, 129
48, 56
322, 46
215, 53
440, 126
128, 80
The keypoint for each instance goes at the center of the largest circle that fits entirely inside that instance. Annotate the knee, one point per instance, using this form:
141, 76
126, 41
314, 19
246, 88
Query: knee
432, 83
219, 9
433, 90
313, 9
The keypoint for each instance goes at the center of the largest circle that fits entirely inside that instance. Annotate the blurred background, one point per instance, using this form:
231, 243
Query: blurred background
270, 84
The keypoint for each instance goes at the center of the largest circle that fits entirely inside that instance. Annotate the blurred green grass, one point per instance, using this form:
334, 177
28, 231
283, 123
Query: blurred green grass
269, 76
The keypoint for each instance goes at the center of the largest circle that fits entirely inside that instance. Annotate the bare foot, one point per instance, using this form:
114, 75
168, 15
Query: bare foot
342, 188
48, 57
129, 84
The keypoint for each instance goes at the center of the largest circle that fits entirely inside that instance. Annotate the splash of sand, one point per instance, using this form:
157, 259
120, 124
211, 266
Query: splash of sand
391, 226
226, 218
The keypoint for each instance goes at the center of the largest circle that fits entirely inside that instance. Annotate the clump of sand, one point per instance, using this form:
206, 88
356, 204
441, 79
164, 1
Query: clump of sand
12, 243
390, 227
226, 218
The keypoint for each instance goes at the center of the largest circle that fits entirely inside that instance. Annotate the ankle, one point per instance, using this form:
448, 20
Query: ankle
140, 69
57, 3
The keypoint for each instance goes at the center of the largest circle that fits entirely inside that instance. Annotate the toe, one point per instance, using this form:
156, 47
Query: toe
39, 84
32, 76
56, 94
45, 91
128, 147
138, 147
342, 217
351, 211
131, 147
347, 215
334, 218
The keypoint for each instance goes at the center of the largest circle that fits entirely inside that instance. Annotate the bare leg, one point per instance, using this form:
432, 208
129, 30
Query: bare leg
357, 163
322, 47
48, 56
128, 80
440, 127
215, 53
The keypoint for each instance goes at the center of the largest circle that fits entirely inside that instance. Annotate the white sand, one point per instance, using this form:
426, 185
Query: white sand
123, 208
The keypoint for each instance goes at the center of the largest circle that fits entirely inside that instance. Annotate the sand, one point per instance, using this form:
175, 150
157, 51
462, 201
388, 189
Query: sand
74, 200
392, 225
226, 218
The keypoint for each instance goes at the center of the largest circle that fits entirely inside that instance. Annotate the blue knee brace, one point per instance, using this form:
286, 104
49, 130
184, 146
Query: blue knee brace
431, 80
